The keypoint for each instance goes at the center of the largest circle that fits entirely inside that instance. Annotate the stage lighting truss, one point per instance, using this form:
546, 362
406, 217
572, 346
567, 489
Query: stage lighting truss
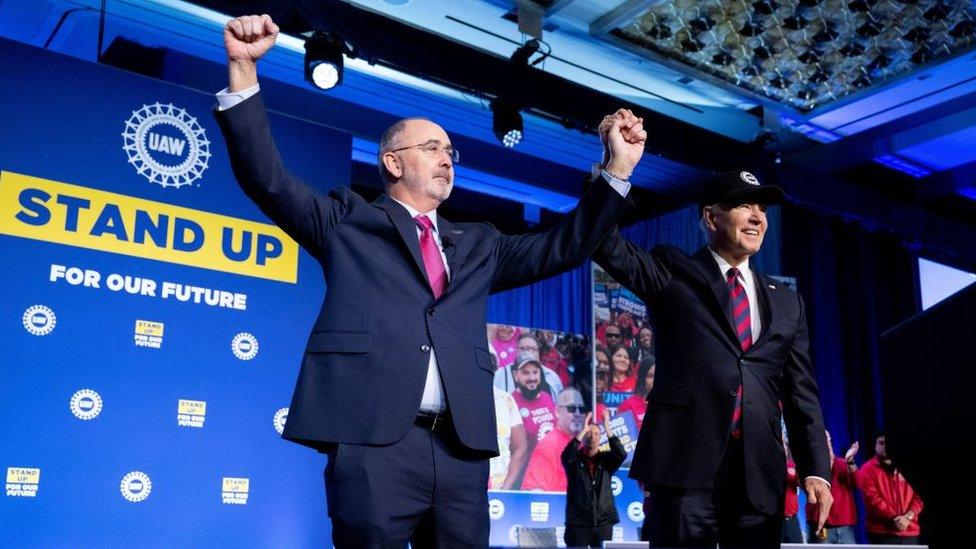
803, 53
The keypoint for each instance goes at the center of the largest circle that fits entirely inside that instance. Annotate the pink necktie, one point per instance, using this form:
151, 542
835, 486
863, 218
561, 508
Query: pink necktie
433, 263
743, 328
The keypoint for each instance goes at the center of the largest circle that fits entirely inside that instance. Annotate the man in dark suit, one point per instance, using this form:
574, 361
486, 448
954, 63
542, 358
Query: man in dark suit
732, 357
405, 307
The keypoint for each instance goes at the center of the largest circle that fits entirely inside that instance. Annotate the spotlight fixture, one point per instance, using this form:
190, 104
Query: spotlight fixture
506, 122
323, 59
524, 52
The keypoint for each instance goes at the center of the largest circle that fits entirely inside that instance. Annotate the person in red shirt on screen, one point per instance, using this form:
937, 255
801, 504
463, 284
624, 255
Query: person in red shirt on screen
545, 470
637, 404
842, 519
892, 505
622, 375
791, 504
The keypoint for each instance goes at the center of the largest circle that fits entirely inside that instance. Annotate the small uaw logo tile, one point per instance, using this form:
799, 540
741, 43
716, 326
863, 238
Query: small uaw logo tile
496, 508
616, 485
166, 145
39, 320
635, 511
85, 404
244, 346
135, 486
280, 417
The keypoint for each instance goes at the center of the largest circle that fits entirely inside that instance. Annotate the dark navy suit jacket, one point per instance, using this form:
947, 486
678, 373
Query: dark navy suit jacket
699, 364
363, 373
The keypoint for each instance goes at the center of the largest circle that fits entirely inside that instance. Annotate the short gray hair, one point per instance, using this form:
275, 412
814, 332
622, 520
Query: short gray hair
388, 142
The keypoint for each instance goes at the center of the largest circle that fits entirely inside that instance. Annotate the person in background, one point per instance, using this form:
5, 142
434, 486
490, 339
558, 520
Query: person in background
545, 471
622, 378
843, 514
536, 407
506, 467
637, 403
891, 503
590, 510
645, 343
791, 504
504, 343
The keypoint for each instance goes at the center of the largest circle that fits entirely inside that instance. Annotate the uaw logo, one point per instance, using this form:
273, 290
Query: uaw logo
85, 404
191, 413
748, 178
616, 485
22, 482
244, 346
280, 417
149, 334
166, 145
496, 508
39, 320
539, 511
135, 486
635, 511
234, 491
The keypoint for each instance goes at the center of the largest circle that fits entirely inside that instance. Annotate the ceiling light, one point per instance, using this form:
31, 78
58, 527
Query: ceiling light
323, 60
507, 122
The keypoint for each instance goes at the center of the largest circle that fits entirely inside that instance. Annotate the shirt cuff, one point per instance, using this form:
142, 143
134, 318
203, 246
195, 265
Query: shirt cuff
622, 187
821, 478
227, 99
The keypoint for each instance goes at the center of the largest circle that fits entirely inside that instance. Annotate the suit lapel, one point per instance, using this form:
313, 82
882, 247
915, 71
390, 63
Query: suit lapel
407, 228
763, 293
719, 290
451, 238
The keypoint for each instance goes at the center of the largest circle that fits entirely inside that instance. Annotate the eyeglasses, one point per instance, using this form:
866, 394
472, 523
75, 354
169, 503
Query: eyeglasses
573, 409
608, 334
433, 147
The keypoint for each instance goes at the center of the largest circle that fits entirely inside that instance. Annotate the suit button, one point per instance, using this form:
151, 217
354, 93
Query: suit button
743, 362
425, 348
430, 312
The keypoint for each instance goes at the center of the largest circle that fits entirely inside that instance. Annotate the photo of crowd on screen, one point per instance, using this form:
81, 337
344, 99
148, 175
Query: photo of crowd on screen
543, 386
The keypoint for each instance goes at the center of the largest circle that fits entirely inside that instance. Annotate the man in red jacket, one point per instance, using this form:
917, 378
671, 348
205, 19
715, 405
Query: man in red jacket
842, 518
892, 504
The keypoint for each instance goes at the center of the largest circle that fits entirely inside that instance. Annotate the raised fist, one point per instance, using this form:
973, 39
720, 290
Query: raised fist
249, 37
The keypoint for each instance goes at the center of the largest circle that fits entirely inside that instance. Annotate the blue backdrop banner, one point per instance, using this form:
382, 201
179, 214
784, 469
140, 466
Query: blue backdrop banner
152, 318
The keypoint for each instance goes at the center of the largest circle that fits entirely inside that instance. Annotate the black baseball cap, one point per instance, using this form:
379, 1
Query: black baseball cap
738, 187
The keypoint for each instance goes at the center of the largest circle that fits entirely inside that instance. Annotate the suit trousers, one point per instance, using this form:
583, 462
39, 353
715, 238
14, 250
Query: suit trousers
426, 489
723, 515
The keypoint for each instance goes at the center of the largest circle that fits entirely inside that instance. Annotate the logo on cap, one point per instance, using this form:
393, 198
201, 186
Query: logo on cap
749, 178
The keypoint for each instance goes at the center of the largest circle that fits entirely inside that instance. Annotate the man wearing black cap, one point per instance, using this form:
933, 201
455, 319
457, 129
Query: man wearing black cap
733, 357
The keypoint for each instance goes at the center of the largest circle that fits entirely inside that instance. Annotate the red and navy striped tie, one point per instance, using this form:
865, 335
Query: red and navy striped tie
743, 328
